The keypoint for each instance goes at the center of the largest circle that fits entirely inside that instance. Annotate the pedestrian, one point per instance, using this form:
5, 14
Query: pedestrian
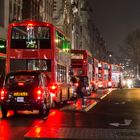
74, 93
120, 83
81, 90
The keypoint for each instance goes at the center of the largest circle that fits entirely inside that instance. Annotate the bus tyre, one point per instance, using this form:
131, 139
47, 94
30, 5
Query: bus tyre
4, 111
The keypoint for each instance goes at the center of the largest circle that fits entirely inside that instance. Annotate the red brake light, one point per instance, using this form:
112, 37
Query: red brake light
38, 93
53, 87
84, 61
2, 94
109, 83
20, 83
76, 84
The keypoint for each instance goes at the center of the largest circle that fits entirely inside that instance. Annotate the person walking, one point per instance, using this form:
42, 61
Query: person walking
81, 89
120, 83
74, 93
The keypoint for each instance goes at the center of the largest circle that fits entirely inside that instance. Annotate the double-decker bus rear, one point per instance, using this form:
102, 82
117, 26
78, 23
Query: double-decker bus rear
94, 81
103, 74
81, 64
34, 45
115, 74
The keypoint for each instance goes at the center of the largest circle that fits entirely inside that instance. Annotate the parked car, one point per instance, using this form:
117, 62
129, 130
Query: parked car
25, 90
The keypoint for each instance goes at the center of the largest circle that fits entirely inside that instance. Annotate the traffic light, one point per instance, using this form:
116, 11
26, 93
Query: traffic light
2, 46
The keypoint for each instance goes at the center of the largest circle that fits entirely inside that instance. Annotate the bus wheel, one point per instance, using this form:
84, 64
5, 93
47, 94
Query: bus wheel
4, 111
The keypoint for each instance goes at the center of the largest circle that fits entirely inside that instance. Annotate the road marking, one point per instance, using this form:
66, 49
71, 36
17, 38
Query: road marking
117, 103
72, 133
106, 94
126, 123
90, 106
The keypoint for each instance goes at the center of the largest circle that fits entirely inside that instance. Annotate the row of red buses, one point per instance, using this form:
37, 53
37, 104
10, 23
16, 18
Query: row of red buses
99, 74
35, 45
115, 73
95, 75
109, 74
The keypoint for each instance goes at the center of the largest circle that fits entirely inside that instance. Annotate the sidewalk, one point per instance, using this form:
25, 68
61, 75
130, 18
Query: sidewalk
44, 133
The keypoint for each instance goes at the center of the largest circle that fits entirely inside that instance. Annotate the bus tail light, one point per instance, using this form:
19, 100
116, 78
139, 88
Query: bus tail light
53, 87
109, 84
2, 94
100, 85
38, 93
84, 61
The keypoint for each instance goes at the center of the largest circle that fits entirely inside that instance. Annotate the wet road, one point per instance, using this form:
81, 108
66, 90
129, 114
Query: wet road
15, 127
114, 117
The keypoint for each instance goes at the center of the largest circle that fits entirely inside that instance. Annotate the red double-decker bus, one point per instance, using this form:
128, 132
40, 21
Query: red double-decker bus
81, 65
103, 74
115, 73
35, 45
94, 81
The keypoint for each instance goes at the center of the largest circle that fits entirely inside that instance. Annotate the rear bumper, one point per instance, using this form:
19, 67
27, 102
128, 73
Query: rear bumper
21, 106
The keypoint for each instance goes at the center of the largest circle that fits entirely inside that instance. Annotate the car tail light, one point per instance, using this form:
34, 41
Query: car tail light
38, 93
53, 87
2, 94
20, 83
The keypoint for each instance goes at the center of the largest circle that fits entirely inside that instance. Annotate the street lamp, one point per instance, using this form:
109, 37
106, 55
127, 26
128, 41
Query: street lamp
109, 59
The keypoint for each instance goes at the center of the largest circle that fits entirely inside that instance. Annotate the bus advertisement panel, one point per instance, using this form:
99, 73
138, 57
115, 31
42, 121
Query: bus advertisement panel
35, 45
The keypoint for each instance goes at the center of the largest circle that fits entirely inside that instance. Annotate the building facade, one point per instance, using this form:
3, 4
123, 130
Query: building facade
71, 16
4, 20
41, 10
4, 14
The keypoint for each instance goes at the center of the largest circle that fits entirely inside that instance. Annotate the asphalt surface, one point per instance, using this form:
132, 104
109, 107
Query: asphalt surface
115, 117
47, 132
107, 116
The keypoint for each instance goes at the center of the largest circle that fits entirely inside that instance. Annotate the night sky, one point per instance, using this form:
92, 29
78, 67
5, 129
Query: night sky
116, 19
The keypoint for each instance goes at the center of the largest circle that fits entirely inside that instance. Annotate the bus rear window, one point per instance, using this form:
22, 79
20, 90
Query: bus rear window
44, 65
77, 56
32, 37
